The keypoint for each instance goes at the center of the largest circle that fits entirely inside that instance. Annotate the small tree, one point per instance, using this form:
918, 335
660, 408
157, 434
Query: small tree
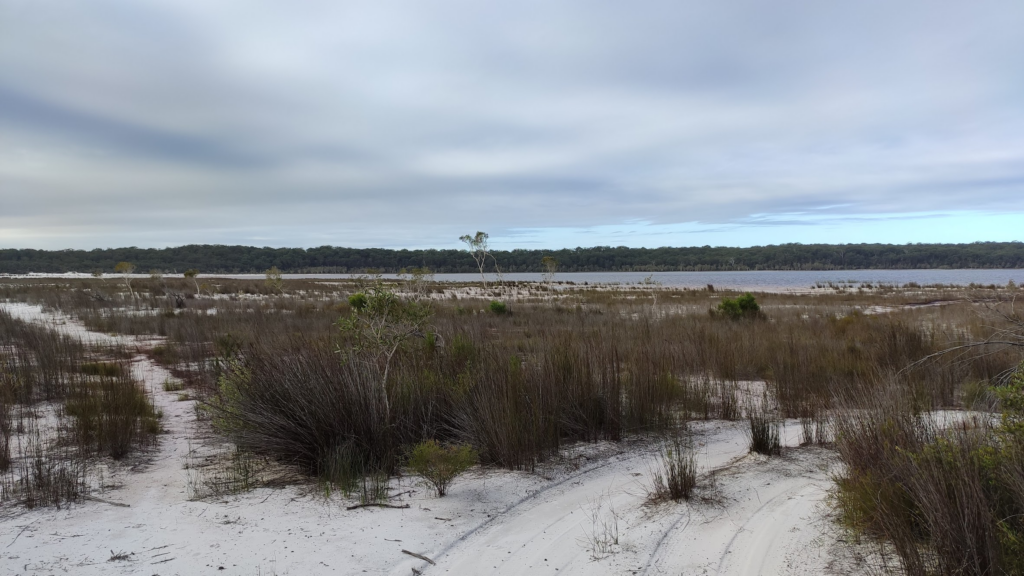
418, 280
550, 265
380, 325
274, 279
440, 465
125, 269
193, 274
478, 249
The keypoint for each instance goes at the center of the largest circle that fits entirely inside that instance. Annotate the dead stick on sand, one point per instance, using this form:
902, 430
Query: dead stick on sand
375, 504
23, 528
420, 556
95, 499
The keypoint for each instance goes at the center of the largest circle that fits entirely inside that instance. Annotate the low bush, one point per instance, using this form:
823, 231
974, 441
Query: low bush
439, 465
357, 301
498, 308
744, 306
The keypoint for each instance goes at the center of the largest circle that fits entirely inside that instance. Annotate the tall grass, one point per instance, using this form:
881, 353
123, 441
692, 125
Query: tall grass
943, 495
61, 405
111, 414
44, 363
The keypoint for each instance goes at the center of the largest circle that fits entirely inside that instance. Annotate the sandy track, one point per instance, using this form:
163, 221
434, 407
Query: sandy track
765, 518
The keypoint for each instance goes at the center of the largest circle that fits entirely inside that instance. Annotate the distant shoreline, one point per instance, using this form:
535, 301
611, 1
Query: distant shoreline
216, 259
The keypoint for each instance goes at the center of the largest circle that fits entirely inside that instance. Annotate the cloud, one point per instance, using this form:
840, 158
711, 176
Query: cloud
155, 122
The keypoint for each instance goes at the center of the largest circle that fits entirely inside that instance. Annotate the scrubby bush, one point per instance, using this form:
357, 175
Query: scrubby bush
439, 465
744, 306
498, 308
357, 301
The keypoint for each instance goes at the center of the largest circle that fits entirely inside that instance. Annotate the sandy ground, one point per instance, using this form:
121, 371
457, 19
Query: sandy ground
753, 515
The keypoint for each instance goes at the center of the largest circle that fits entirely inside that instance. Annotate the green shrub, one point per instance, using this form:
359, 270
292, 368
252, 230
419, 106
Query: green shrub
439, 465
357, 301
498, 307
741, 307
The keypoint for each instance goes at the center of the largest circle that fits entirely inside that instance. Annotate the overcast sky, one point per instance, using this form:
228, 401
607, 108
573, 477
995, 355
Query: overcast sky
546, 123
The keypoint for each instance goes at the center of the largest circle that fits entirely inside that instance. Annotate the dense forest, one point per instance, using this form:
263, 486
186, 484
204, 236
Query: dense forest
328, 259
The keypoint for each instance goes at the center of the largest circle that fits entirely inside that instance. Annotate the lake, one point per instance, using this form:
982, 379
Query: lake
767, 280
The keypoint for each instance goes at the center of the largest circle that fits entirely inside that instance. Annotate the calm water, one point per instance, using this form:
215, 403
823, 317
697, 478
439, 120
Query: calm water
759, 280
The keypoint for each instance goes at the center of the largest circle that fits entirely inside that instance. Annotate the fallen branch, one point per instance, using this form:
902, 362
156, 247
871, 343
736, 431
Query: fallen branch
377, 505
420, 556
23, 528
95, 499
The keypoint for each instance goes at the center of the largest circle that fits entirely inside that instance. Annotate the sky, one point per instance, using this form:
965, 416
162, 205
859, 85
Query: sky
547, 124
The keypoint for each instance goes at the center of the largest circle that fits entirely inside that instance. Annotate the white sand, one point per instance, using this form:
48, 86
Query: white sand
767, 517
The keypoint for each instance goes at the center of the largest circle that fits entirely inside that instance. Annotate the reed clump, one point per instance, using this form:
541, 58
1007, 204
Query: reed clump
943, 493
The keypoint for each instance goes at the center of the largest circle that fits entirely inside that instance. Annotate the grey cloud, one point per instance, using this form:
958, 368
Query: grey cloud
360, 123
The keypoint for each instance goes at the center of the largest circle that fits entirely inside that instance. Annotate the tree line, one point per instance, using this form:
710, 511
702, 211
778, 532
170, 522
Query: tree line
219, 259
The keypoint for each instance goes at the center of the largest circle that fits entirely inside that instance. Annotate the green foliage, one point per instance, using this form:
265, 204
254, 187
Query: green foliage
440, 465
744, 306
498, 307
381, 327
357, 301
124, 268
247, 259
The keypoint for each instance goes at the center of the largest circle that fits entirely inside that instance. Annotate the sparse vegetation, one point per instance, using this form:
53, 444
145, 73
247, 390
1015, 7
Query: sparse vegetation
674, 477
276, 373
